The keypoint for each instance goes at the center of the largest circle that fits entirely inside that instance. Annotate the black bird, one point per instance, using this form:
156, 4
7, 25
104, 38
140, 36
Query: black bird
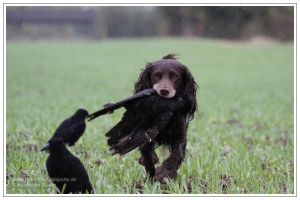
110, 107
71, 129
146, 115
64, 168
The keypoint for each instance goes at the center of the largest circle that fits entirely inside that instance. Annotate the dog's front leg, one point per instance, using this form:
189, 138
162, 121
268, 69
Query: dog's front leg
169, 167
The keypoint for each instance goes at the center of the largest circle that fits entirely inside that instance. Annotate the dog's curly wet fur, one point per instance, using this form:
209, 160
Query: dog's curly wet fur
169, 78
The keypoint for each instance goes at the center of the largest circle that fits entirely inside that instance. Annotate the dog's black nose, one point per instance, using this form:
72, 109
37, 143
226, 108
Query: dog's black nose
164, 92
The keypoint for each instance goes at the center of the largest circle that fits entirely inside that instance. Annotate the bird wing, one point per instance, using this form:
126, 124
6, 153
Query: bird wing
143, 120
70, 130
142, 134
127, 143
65, 126
137, 114
110, 107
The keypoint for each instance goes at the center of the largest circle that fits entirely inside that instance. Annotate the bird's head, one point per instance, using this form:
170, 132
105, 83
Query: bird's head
55, 144
81, 113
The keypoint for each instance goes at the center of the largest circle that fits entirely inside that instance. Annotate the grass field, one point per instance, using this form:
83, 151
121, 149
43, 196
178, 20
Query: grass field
241, 141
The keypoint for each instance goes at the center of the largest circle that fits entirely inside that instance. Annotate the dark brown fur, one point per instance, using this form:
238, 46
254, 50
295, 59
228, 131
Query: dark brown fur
169, 78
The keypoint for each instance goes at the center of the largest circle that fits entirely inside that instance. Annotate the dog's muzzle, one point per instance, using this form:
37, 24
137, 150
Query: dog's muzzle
164, 91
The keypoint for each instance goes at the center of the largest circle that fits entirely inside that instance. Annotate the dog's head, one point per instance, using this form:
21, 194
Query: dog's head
167, 76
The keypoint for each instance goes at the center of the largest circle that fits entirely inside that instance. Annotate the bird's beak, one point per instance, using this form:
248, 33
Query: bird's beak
45, 147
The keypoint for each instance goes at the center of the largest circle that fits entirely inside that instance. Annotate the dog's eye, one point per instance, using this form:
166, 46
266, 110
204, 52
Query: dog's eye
174, 76
156, 76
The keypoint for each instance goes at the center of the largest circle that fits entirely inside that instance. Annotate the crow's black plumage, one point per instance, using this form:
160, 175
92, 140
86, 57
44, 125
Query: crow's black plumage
146, 115
110, 107
64, 168
71, 129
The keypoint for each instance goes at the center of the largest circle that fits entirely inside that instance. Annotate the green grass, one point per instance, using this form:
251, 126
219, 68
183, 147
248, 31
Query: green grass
245, 102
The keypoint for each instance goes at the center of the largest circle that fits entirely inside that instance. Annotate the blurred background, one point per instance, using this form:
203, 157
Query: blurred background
96, 23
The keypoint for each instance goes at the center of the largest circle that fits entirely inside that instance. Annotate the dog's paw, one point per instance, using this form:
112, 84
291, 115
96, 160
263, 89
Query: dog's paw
162, 173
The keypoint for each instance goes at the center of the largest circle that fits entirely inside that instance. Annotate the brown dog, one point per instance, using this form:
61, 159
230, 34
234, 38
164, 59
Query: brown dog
169, 78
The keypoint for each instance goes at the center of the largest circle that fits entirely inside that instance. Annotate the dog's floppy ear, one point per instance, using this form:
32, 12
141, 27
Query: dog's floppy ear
189, 89
144, 80
189, 83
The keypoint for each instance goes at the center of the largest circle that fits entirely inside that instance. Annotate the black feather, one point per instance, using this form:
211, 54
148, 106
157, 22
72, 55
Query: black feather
110, 107
66, 169
146, 115
71, 129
